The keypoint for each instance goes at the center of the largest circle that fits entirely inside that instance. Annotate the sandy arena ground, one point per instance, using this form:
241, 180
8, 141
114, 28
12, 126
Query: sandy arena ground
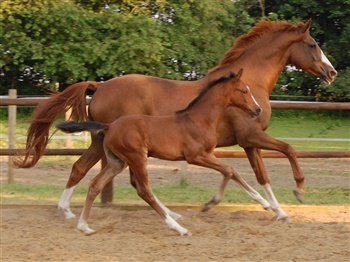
240, 233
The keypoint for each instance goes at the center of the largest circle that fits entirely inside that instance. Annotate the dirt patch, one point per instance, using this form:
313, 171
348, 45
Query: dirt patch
40, 233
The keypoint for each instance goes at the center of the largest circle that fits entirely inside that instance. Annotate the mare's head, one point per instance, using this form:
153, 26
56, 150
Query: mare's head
308, 56
240, 95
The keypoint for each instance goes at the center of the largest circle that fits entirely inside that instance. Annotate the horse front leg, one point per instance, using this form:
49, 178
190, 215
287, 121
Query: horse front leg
262, 140
80, 168
255, 159
229, 173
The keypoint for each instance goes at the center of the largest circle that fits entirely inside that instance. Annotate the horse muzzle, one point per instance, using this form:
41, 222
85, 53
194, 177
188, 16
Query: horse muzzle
327, 74
329, 77
256, 112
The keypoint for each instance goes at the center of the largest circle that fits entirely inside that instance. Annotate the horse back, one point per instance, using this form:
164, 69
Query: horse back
139, 94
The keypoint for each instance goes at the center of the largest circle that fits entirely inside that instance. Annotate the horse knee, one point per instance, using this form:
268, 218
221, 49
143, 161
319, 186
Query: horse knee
289, 150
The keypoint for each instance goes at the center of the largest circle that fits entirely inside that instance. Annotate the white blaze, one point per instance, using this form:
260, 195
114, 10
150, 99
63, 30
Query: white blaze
325, 60
253, 97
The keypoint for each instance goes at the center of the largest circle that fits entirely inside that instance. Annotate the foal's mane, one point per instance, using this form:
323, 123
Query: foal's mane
260, 30
205, 90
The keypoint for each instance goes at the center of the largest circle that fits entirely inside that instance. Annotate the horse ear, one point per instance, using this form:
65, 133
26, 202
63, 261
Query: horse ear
239, 74
305, 27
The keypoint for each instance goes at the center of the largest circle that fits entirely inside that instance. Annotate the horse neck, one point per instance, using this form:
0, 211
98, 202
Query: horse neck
210, 108
262, 62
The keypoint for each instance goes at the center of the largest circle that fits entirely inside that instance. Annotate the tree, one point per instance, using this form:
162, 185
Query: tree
52, 41
45, 42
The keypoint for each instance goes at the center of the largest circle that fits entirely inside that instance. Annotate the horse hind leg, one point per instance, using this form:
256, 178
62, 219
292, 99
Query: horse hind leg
173, 214
145, 192
80, 168
113, 167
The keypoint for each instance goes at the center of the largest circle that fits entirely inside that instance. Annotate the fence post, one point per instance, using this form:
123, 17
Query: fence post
12, 115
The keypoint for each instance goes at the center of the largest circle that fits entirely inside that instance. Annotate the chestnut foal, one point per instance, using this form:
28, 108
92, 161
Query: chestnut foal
190, 134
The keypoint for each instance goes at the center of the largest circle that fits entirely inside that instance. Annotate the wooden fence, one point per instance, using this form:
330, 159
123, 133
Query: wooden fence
12, 102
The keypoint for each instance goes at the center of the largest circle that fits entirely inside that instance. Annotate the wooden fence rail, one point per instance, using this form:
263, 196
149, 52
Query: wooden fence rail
218, 153
294, 105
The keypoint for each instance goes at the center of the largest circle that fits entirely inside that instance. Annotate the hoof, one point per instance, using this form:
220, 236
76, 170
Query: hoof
267, 208
88, 232
299, 194
206, 207
67, 213
85, 229
188, 234
285, 219
209, 205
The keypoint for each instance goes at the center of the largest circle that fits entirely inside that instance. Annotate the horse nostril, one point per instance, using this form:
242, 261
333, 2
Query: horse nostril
333, 73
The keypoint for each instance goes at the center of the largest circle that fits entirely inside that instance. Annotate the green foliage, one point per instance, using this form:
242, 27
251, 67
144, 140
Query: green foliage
48, 42
339, 90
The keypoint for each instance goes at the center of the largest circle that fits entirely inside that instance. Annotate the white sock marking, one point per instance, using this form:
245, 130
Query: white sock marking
273, 202
64, 202
172, 224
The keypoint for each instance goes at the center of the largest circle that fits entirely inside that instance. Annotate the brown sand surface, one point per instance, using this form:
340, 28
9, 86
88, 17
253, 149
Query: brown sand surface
40, 233
238, 233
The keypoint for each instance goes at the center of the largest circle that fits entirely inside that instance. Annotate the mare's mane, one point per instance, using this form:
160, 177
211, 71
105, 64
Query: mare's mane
205, 90
260, 30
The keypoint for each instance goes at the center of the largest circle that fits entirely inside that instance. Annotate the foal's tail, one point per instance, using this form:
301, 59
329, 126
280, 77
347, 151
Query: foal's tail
72, 127
73, 97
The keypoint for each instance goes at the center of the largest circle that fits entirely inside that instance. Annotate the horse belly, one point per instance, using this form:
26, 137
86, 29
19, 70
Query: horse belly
164, 139
166, 150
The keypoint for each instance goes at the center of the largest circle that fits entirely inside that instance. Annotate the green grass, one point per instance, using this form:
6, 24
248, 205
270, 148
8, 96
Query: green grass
312, 128
47, 194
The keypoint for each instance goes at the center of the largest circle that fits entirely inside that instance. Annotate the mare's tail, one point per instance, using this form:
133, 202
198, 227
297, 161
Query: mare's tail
73, 97
72, 127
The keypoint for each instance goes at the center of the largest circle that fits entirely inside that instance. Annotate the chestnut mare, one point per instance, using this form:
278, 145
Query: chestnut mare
190, 134
263, 53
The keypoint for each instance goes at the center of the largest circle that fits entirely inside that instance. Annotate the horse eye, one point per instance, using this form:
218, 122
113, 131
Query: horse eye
312, 45
245, 91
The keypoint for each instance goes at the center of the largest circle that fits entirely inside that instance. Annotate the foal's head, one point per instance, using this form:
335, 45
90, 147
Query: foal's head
240, 95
